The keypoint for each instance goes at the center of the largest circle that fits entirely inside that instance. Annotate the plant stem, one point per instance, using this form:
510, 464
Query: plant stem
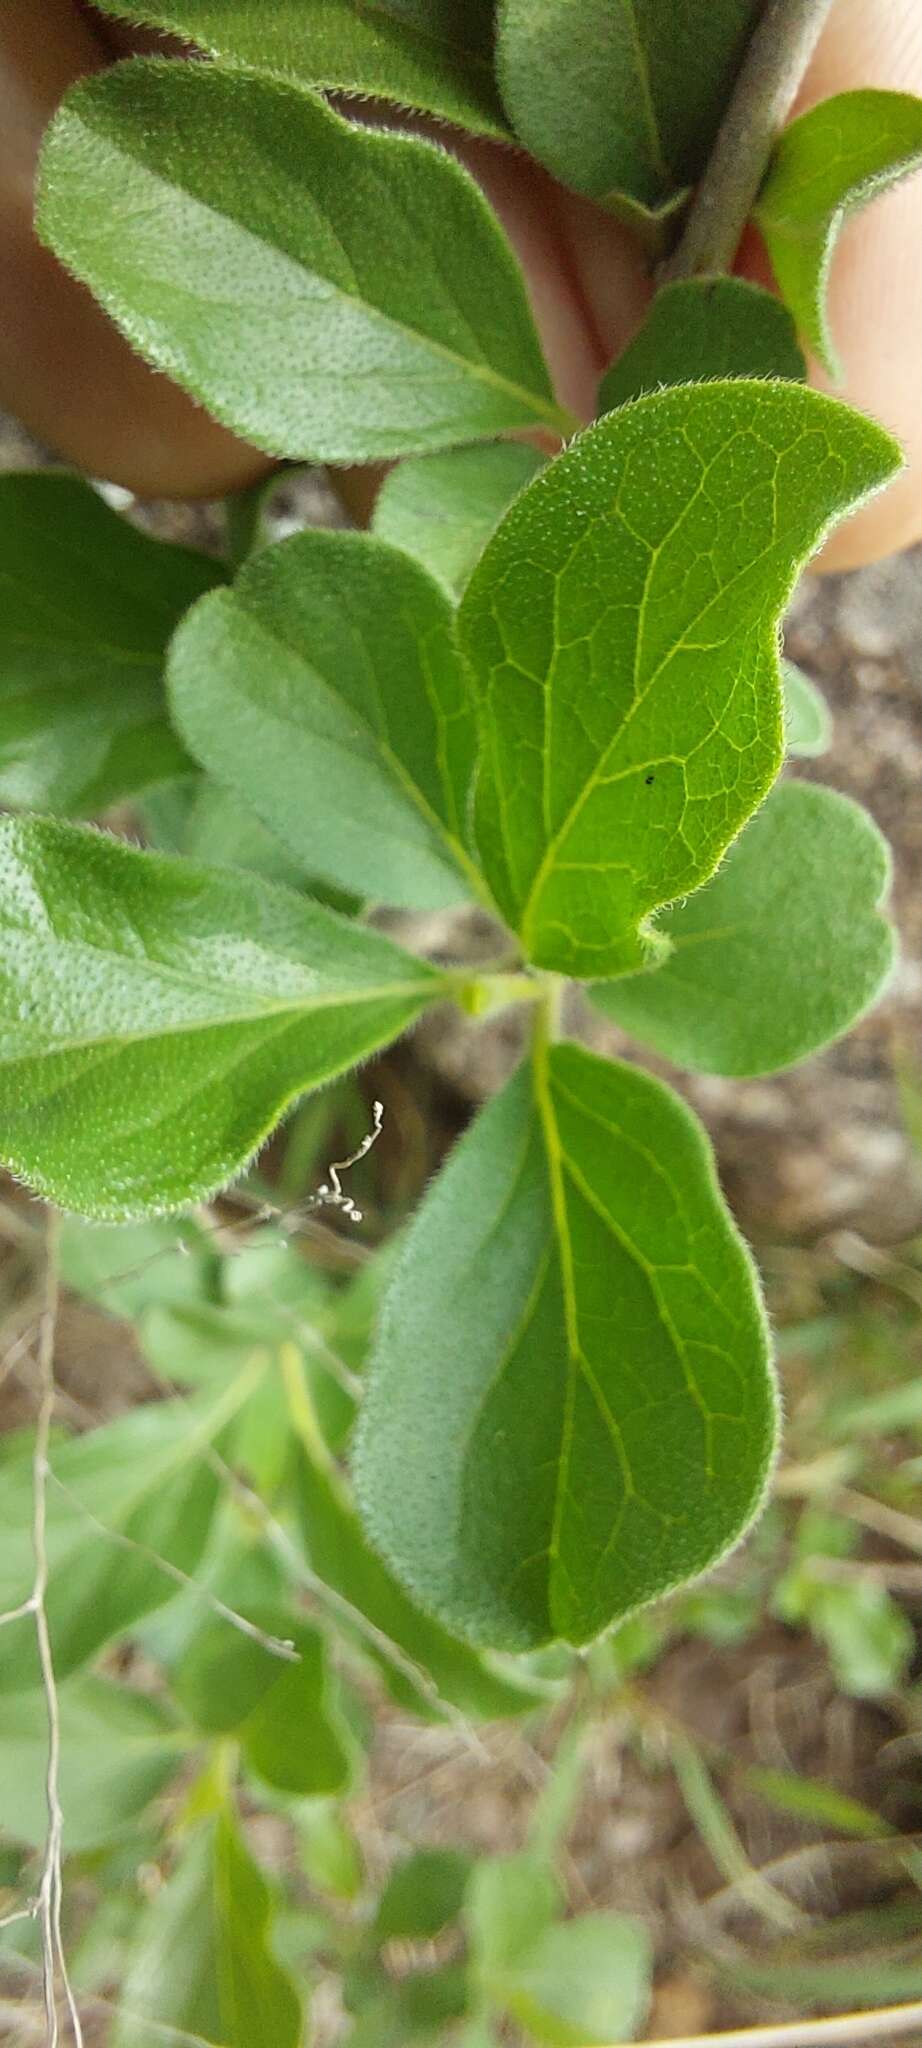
773, 67
846, 2030
549, 1014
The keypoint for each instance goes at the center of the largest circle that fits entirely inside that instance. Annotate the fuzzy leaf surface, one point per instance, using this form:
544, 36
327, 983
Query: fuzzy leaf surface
326, 691
807, 717
87, 606
570, 1409
157, 1018
700, 328
203, 1965
621, 630
443, 508
435, 1668
620, 96
781, 952
435, 55
330, 292
829, 161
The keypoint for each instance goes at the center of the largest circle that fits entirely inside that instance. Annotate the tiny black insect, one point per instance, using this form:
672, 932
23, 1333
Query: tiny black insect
648, 779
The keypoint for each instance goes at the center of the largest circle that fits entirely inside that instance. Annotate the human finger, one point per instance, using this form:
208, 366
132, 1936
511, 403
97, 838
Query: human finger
65, 371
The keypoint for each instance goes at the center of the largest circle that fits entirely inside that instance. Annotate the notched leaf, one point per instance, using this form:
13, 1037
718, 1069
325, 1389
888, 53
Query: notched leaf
834, 158
621, 630
571, 1408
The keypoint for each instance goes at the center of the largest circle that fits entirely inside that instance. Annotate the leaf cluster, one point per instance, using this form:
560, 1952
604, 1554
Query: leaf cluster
546, 689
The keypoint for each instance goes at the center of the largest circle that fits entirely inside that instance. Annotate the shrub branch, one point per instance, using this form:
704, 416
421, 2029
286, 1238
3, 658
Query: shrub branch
773, 67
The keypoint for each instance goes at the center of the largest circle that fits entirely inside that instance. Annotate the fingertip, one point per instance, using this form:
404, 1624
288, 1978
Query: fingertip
875, 314
875, 286
65, 371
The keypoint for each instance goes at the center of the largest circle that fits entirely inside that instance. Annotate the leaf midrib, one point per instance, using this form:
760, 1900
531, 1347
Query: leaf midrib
646, 96
344, 999
554, 1154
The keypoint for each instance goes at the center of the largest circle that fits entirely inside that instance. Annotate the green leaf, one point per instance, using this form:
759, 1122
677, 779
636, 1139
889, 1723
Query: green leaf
326, 691
143, 1476
375, 307
435, 55
199, 819
157, 1018
869, 1638
570, 1411
819, 1986
443, 508
282, 1713
829, 161
714, 1822
331, 1857
583, 1982
779, 954
810, 1799
621, 631
128, 1267
201, 1345
418, 2007
203, 1964
87, 605
118, 1751
620, 98
450, 1673
423, 1894
238, 1568
511, 1902
555, 1804
700, 328
807, 717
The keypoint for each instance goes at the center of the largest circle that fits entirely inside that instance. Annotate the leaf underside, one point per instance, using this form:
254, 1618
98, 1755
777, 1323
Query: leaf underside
807, 717
331, 292
435, 55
